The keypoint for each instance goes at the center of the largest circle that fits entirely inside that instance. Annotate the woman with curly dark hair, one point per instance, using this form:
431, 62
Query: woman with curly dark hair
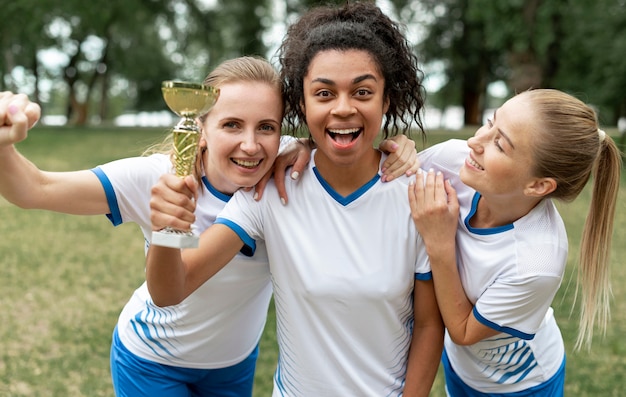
355, 315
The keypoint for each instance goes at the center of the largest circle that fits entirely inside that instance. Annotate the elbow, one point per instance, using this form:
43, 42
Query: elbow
24, 204
164, 299
165, 302
461, 339
20, 201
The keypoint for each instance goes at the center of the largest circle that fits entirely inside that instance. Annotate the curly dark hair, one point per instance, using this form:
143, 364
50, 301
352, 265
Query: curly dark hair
360, 26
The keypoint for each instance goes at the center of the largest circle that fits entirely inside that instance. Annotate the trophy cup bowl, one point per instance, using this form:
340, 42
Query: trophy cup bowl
189, 101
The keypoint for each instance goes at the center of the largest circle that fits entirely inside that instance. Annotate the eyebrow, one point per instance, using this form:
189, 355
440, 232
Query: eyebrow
504, 135
356, 80
242, 120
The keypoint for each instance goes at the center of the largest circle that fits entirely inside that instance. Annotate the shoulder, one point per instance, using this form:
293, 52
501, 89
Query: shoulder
541, 241
444, 156
446, 148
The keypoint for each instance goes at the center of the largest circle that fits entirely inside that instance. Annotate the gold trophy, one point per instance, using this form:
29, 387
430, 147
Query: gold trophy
189, 101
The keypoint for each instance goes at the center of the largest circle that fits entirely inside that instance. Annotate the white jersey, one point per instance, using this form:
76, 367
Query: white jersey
511, 275
343, 271
220, 323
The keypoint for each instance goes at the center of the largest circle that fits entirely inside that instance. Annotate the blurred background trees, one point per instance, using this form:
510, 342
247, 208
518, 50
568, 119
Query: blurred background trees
88, 62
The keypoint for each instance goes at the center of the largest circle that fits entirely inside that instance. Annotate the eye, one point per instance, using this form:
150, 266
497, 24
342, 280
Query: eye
496, 142
231, 125
267, 128
489, 123
363, 92
323, 94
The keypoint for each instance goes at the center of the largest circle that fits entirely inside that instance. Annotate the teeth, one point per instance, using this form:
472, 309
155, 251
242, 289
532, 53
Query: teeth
247, 163
475, 164
344, 132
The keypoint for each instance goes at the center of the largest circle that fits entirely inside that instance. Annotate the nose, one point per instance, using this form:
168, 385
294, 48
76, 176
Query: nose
343, 107
477, 141
249, 142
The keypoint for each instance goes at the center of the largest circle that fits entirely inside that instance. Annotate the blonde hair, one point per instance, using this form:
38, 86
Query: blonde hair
242, 69
572, 149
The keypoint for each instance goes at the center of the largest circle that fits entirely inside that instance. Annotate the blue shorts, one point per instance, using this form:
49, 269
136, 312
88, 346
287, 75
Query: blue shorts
137, 377
455, 387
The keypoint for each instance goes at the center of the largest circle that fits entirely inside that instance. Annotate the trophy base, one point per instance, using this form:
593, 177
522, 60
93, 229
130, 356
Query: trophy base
174, 239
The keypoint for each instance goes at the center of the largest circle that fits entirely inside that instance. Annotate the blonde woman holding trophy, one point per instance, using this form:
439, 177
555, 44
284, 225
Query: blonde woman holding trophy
208, 344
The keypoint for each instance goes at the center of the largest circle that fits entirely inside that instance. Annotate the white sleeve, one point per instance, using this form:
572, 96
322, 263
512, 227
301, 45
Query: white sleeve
285, 142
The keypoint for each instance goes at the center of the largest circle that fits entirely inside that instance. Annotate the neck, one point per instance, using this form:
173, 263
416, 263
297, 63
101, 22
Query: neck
347, 177
500, 211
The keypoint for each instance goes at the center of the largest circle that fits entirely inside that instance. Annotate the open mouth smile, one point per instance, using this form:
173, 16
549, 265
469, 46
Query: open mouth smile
474, 164
250, 164
344, 136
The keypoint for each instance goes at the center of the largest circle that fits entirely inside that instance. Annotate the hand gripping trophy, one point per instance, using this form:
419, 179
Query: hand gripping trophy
189, 101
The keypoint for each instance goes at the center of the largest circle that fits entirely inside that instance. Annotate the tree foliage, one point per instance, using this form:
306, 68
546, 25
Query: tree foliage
120, 47
115, 53
565, 44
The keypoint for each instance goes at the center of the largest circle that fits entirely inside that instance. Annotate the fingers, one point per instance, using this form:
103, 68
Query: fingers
388, 146
433, 216
173, 203
428, 191
296, 156
453, 200
17, 115
259, 188
440, 195
416, 192
402, 158
301, 162
33, 113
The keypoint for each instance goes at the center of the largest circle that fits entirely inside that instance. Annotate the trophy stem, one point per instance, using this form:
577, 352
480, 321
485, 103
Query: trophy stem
185, 151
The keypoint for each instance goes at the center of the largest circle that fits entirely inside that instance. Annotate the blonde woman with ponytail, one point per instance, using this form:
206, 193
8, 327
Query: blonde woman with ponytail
498, 246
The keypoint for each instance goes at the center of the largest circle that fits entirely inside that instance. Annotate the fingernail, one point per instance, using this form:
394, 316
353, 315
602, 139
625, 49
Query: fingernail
419, 171
295, 175
383, 178
383, 169
13, 109
256, 196
431, 170
394, 145
282, 200
411, 182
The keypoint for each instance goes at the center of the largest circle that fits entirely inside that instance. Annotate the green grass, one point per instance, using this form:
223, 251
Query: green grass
64, 280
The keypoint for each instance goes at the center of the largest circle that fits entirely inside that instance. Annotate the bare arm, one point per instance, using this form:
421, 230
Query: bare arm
173, 274
435, 211
25, 185
426, 343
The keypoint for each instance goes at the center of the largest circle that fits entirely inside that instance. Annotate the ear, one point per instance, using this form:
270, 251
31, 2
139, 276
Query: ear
386, 104
202, 143
540, 187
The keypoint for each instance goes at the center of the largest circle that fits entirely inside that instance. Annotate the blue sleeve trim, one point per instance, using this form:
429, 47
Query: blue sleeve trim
249, 245
506, 330
114, 216
424, 276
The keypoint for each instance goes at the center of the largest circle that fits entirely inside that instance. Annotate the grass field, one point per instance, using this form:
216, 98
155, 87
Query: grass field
64, 280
